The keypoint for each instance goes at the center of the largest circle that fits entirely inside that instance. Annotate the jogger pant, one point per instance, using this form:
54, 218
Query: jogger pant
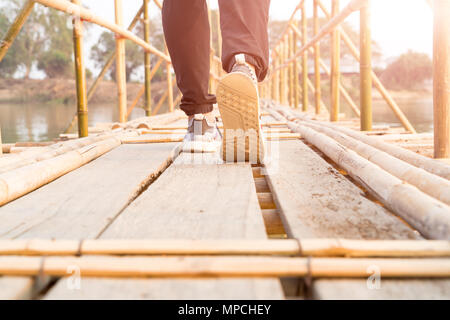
187, 32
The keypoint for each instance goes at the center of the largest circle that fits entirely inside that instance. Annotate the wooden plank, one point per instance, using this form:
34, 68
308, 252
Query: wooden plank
14, 288
188, 201
316, 201
82, 203
355, 289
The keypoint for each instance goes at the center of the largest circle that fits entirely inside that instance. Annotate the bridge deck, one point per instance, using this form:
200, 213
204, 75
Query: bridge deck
146, 189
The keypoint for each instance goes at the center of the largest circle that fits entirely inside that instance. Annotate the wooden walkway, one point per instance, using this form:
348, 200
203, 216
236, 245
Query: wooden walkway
146, 189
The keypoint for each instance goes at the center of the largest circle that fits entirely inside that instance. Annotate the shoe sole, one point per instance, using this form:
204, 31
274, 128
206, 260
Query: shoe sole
238, 101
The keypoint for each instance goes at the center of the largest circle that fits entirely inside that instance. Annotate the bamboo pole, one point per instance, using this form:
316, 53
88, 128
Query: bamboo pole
143, 88
318, 94
366, 67
275, 82
441, 78
106, 67
335, 67
147, 63
213, 267
435, 167
296, 73
120, 66
327, 28
80, 74
291, 70
435, 186
15, 28
376, 81
322, 64
304, 23
289, 247
428, 215
87, 15
282, 74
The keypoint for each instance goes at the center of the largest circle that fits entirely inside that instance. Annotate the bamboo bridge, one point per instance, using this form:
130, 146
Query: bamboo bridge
343, 210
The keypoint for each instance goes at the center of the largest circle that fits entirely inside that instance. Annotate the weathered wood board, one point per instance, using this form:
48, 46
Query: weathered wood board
188, 201
13, 288
82, 203
316, 201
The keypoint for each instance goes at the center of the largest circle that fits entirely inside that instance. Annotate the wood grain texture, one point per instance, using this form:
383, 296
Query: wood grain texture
188, 201
13, 288
316, 201
82, 203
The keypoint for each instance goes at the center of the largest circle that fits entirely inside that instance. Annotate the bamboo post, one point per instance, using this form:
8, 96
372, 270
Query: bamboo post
224, 267
291, 70
15, 28
296, 72
318, 93
182, 247
335, 66
282, 74
170, 87
441, 77
304, 59
366, 68
142, 91
286, 74
377, 83
120, 65
147, 63
275, 82
80, 74
106, 67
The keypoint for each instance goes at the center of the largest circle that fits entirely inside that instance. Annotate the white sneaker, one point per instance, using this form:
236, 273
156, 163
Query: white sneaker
203, 134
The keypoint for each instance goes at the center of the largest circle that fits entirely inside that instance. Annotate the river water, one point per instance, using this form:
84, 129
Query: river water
43, 122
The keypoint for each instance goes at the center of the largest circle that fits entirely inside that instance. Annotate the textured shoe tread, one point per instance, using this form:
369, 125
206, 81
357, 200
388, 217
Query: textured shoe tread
235, 100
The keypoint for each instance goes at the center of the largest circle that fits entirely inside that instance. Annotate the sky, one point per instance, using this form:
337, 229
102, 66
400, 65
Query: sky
397, 25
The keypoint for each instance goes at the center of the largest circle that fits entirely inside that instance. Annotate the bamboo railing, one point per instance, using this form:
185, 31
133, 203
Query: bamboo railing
363, 56
288, 82
81, 15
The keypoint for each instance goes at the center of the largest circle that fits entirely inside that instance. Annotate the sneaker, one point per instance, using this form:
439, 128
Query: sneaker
203, 134
238, 101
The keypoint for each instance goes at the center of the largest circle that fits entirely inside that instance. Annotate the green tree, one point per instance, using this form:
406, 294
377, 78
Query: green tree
106, 44
408, 71
57, 59
30, 42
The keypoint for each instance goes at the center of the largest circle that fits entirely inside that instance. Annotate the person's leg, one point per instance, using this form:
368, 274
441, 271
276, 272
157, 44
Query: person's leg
187, 34
244, 30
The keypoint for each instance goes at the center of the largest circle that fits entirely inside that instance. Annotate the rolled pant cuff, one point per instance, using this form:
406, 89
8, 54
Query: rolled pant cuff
196, 109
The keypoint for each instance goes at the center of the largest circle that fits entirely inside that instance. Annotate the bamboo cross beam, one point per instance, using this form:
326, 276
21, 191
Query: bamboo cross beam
87, 15
214, 267
105, 68
289, 247
376, 81
143, 88
333, 23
